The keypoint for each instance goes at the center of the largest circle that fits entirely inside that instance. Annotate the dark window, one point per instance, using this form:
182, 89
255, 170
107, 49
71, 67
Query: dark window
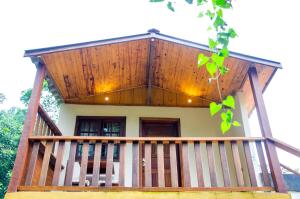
99, 126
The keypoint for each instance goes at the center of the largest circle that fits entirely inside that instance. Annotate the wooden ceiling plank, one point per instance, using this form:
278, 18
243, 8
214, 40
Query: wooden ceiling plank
151, 57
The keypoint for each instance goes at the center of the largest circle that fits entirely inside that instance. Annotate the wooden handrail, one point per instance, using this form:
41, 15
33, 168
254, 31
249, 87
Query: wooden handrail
48, 121
289, 169
142, 139
286, 147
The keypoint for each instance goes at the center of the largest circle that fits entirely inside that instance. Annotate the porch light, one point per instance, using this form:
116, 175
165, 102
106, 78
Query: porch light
106, 98
189, 100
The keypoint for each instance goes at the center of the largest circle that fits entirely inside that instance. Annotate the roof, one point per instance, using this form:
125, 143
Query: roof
144, 69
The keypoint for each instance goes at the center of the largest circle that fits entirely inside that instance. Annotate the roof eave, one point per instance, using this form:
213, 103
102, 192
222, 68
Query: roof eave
41, 51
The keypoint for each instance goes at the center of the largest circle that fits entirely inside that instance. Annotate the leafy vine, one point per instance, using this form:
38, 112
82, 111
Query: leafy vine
213, 10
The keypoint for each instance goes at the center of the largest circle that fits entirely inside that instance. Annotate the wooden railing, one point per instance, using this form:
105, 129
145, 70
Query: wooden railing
287, 148
44, 126
165, 163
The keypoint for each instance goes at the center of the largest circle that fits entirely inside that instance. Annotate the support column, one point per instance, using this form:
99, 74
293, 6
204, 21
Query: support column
266, 131
28, 127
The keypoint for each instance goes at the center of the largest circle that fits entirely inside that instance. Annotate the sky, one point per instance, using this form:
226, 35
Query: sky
267, 29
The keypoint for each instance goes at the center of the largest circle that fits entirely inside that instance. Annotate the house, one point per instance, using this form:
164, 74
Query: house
134, 122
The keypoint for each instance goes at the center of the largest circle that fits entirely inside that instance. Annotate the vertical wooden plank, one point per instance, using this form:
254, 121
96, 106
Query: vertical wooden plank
70, 164
148, 164
140, 164
45, 164
198, 164
262, 162
83, 165
32, 163
160, 165
58, 163
185, 165
21, 156
173, 165
249, 162
45, 129
37, 124
224, 164
109, 164
96, 164
211, 164
41, 127
276, 172
135, 164
122, 164
237, 163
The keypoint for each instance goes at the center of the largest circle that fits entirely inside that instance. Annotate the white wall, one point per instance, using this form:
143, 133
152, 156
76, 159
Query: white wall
194, 122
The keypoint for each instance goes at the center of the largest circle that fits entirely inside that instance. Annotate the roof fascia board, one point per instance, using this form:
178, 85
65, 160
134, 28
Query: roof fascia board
40, 51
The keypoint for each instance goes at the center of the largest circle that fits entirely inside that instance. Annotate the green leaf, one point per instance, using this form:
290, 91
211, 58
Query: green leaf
217, 59
170, 6
220, 13
210, 14
212, 43
232, 33
202, 59
236, 123
229, 101
222, 3
199, 2
225, 126
200, 14
155, 1
219, 23
227, 116
223, 70
211, 68
214, 108
189, 1
224, 52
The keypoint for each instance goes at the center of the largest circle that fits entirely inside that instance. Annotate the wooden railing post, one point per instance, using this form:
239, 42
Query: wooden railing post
266, 131
29, 123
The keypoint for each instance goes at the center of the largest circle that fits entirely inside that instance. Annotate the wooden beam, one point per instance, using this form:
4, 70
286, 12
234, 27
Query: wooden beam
151, 57
29, 123
266, 131
290, 169
286, 147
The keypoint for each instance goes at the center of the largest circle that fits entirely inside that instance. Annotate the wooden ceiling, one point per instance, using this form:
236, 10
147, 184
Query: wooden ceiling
147, 71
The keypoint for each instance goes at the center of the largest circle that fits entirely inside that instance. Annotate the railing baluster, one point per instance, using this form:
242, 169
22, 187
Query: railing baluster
263, 165
122, 164
109, 164
41, 127
173, 165
70, 164
148, 165
135, 164
32, 163
185, 165
96, 165
224, 164
45, 164
84, 161
211, 164
37, 124
237, 163
160, 165
58, 163
198, 160
45, 129
249, 162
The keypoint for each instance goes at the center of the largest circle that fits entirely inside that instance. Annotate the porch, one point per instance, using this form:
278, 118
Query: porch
51, 159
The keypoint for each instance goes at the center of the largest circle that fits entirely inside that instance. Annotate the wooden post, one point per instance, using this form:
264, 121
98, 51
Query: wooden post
28, 127
266, 132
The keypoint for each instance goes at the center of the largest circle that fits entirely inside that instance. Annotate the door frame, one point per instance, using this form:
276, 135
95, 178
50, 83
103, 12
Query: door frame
159, 119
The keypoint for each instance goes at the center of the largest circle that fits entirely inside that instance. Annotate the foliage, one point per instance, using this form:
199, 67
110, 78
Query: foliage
2, 98
214, 64
11, 124
48, 101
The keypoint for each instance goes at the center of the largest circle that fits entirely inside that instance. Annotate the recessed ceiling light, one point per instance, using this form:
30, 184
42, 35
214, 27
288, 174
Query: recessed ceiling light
189, 100
106, 98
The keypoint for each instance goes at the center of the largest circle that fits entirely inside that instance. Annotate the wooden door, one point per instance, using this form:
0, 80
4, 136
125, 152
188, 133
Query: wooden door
160, 128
